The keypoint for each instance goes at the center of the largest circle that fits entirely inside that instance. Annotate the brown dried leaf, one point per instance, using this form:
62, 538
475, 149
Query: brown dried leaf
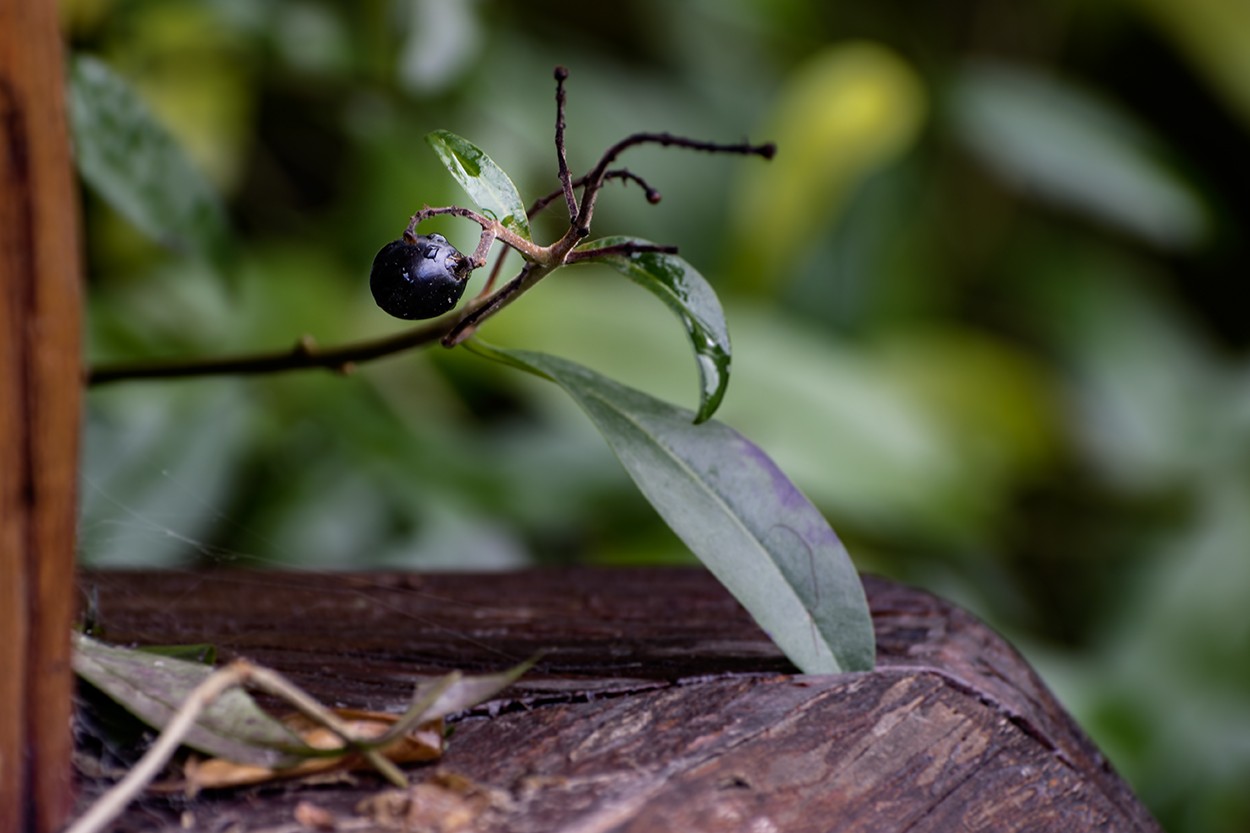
314, 816
447, 803
424, 742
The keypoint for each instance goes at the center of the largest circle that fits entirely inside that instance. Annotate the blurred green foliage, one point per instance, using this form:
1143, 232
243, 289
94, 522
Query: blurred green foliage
985, 307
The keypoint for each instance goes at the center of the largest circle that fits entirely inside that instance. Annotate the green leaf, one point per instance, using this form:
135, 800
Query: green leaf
450, 694
153, 688
463, 692
682, 288
1061, 143
204, 653
483, 180
127, 157
736, 511
843, 115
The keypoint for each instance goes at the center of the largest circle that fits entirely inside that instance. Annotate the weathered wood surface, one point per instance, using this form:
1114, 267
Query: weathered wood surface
658, 706
40, 390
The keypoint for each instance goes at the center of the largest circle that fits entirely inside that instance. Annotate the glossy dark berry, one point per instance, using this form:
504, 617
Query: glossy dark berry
421, 279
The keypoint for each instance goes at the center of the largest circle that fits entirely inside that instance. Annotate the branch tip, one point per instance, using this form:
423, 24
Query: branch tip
595, 179
566, 182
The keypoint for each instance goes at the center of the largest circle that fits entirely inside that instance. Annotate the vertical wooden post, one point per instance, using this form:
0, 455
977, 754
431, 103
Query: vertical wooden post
40, 397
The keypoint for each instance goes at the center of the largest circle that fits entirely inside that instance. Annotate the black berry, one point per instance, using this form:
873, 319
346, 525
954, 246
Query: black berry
421, 279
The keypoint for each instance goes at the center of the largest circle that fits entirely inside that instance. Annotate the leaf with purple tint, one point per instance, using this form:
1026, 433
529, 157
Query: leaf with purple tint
728, 501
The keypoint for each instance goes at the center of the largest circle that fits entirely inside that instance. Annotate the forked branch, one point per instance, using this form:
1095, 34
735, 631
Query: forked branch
453, 328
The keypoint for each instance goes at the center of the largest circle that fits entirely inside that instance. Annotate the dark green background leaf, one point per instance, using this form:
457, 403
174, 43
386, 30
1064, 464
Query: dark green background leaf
136, 166
687, 293
483, 180
728, 501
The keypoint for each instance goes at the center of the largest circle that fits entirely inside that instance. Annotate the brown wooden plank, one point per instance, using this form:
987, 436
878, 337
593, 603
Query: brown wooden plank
884, 752
14, 607
658, 706
40, 388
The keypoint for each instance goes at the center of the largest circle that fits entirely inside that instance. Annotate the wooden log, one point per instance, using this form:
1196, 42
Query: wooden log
658, 706
40, 389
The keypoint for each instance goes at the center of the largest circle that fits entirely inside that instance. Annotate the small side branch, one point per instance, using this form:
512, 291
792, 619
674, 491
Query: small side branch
530, 274
622, 250
566, 184
653, 195
491, 230
595, 179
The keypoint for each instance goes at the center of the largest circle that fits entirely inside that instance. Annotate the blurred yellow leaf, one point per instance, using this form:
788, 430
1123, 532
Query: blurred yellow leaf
190, 66
846, 113
1215, 36
994, 404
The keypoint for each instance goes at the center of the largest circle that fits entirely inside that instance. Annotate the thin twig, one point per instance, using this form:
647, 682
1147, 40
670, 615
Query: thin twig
238, 674
496, 229
113, 802
531, 273
494, 273
304, 356
566, 184
478, 258
652, 194
619, 250
271, 682
597, 176
574, 256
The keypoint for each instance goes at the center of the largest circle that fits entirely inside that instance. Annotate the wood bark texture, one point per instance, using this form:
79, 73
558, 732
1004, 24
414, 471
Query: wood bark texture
658, 706
40, 384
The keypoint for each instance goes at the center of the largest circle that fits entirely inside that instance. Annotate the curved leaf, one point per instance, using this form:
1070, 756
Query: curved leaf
1060, 143
483, 180
153, 689
136, 166
736, 511
682, 288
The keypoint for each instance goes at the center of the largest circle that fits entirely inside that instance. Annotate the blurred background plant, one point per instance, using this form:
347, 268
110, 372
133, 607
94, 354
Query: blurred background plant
984, 304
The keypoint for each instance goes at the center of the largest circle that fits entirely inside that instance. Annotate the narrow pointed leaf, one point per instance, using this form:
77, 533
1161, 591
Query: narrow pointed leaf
453, 693
728, 501
153, 687
132, 162
483, 180
465, 692
687, 293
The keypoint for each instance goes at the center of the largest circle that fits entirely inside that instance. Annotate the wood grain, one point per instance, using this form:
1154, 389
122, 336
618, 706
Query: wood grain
40, 385
658, 706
